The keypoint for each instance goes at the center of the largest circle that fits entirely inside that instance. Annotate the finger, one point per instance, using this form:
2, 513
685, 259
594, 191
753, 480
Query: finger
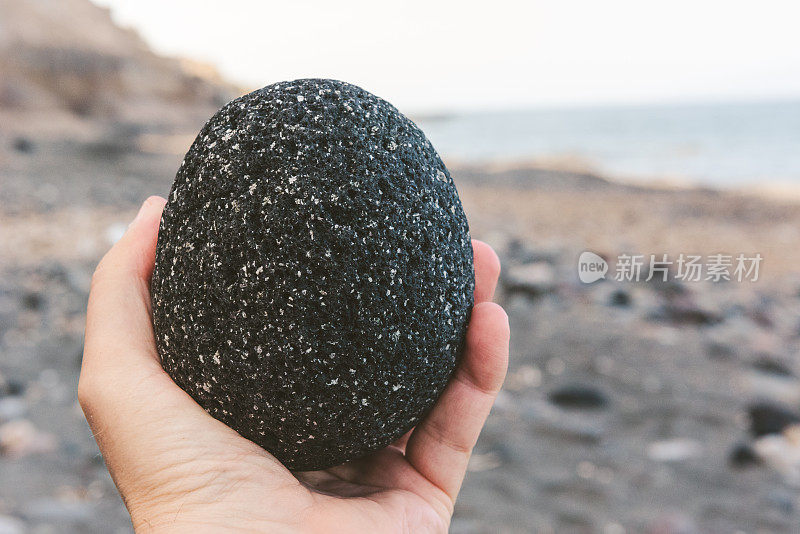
440, 446
121, 371
401, 442
487, 270
118, 315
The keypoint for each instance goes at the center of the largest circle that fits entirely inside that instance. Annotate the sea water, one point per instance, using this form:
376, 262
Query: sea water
722, 145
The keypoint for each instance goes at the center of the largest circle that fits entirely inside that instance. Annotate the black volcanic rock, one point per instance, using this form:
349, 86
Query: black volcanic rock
743, 455
578, 396
768, 417
313, 275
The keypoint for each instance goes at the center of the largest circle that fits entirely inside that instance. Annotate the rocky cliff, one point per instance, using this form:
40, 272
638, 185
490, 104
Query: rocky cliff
66, 60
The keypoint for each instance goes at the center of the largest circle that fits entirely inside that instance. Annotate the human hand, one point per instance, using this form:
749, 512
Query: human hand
180, 470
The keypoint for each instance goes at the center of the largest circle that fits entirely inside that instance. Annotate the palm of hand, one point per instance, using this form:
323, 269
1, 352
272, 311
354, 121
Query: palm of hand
178, 469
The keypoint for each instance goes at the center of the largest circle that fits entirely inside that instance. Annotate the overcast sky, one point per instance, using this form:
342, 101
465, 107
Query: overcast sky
426, 55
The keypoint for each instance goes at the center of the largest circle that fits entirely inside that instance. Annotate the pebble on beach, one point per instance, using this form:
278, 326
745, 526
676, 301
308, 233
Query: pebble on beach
313, 275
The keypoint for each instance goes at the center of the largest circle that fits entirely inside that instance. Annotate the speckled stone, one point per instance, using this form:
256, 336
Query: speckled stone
313, 275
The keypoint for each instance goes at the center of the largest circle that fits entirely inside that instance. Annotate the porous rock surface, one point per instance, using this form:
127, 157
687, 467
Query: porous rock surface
313, 275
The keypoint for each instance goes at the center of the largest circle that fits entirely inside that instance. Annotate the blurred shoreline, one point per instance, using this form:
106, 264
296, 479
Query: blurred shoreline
777, 190
719, 144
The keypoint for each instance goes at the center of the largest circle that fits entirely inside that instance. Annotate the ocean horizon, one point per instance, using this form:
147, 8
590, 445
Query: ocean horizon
723, 145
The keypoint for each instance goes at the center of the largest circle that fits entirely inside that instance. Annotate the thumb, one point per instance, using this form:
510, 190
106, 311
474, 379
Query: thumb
144, 424
118, 315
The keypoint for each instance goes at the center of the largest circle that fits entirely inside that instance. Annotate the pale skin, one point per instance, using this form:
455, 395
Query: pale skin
180, 470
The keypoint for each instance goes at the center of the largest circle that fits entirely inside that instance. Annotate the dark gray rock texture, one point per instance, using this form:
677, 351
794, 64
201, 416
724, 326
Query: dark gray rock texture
313, 276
